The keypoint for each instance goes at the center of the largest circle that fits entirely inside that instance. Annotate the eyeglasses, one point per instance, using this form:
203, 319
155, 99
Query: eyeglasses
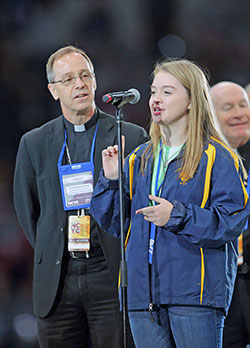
69, 81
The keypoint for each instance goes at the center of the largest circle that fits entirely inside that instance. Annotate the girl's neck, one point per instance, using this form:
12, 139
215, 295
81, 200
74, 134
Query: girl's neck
172, 139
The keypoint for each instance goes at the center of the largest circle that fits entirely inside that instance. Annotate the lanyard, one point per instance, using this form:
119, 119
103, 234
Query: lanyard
76, 180
160, 175
152, 225
67, 149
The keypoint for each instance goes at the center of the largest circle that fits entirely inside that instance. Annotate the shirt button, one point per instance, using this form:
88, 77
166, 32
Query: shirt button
58, 262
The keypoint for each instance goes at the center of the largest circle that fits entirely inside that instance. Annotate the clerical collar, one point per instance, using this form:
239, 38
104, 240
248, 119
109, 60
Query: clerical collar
76, 128
79, 128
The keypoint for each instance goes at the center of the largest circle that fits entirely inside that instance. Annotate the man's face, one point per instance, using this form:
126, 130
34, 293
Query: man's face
77, 98
233, 111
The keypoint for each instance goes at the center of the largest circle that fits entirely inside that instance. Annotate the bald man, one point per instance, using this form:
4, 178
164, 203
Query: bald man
232, 107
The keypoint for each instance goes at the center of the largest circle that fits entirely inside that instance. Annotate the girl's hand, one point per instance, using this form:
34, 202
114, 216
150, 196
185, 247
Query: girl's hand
110, 160
159, 214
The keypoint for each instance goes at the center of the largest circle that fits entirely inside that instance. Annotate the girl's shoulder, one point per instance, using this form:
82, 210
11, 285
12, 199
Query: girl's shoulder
221, 150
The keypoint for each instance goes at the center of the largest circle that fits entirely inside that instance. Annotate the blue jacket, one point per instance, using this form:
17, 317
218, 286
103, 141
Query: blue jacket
195, 253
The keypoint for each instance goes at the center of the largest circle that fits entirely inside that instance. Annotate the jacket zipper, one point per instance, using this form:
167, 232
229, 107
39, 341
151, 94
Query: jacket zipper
151, 305
150, 308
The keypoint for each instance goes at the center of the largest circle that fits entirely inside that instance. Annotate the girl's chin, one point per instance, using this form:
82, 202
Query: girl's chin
157, 119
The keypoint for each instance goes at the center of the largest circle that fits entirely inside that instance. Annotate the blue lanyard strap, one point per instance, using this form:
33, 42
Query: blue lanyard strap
63, 148
92, 146
152, 225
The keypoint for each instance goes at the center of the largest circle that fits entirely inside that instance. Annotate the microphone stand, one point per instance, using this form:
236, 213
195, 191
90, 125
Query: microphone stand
123, 264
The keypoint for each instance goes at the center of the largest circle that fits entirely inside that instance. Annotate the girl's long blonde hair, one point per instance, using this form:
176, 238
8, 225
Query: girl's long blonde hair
202, 122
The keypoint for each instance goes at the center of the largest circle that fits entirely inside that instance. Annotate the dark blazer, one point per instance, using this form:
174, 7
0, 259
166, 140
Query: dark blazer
38, 202
244, 151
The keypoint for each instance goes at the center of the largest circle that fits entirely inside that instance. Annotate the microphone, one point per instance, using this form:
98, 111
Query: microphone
131, 96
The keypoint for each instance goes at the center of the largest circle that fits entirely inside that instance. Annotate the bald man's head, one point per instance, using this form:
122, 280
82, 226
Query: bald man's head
232, 107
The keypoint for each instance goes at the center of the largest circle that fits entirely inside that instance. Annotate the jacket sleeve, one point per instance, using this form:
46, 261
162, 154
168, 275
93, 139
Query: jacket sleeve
105, 205
224, 215
25, 193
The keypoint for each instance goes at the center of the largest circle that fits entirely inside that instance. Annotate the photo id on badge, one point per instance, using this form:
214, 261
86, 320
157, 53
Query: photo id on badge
79, 233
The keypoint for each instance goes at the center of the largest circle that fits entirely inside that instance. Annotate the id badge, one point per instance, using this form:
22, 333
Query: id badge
79, 233
77, 189
76, 180
76, 185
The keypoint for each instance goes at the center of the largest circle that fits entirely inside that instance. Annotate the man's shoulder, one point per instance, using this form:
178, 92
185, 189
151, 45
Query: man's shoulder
44, 129
244, 150
132, 126
134, 134
126, 124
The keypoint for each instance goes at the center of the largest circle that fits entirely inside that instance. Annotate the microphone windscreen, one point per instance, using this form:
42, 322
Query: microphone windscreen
107, 98
137, 95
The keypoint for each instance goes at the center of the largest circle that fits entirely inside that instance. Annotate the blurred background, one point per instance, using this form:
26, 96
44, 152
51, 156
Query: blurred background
124, 39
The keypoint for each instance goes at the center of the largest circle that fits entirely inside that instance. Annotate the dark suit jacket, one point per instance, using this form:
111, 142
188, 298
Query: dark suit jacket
38, 201
244, 151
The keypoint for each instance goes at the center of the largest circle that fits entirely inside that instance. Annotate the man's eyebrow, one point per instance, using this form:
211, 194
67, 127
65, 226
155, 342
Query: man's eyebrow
71, 73
238, 102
